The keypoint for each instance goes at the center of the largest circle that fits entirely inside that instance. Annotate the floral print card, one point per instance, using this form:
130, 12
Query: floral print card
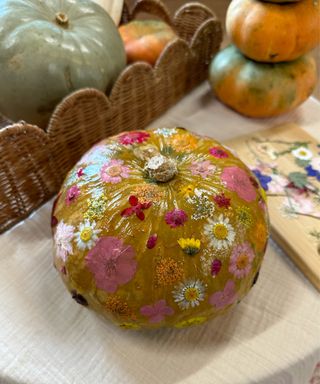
286, 160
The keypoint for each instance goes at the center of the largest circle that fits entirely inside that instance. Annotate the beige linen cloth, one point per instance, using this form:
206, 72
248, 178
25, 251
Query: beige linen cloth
273, 336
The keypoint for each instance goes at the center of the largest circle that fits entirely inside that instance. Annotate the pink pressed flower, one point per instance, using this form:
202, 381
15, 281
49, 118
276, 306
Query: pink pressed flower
215, 267
136, 208
176, 217
222, 201
156, 312
129, 138
112, 263
241, 260
80, 172
152, 241
299, 203
202, 168
72, 194
114, 171
63, 240
226, 297
237, 180
218, 152
277, 184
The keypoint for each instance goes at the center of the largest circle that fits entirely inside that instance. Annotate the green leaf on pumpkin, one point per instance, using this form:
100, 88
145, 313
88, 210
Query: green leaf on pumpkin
298, 179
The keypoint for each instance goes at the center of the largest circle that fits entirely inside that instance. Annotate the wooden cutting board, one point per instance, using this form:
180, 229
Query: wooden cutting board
287, 161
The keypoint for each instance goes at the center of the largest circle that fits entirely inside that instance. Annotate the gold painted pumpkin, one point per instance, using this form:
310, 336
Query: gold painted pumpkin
271, 32
159, 228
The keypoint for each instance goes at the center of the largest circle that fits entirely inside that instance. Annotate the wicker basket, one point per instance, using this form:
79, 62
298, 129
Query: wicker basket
34, 162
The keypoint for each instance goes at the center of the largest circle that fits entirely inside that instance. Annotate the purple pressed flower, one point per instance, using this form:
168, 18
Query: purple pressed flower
176, 218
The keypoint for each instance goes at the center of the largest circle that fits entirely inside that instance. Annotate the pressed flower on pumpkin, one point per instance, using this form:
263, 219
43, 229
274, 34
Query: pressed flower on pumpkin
218, 153
152, 241
241, 260
176, 218
136, 208
202, 168
114, 171
87, 235
168, 271
191, 322
220, 232
63, 240
189, 294
226, 297
134, 137
72, 194
112, 263
244, 216
222, 201
237, 180
96, 208
156, 312
190, 246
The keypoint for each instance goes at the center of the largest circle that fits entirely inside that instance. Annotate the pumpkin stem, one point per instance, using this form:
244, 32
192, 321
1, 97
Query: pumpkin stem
62, 19
161, 168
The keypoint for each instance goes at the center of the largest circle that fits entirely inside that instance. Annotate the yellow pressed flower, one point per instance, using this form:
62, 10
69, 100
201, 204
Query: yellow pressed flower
263, 194
194, 321
190, 246
129, 326
187, 190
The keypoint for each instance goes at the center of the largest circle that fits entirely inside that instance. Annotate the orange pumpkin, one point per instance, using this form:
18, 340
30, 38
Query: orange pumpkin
261, 89
274, 32
144, 40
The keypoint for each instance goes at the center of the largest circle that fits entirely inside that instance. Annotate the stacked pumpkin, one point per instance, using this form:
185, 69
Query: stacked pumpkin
269, 70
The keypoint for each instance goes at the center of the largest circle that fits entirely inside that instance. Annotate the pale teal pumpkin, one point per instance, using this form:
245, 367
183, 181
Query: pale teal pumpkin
49, 48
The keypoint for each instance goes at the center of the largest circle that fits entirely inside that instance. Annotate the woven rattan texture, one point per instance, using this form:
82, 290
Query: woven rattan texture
34, 162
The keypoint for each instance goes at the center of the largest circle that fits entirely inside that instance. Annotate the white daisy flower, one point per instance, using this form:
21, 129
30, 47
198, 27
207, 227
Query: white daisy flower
63, 238
87, 235
189, 294
302, 153
220, 232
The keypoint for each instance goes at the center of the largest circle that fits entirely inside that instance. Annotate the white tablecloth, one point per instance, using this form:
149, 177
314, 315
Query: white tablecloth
273, 336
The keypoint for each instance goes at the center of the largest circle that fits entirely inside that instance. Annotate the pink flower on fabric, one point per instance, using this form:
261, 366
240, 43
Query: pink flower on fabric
218, 152
72, 194
176, 217
152, 241
136, 208
112, 263
241, 260
202, 168
226, 297
63, 240
237, 180
114, 171
156, 312
130, 138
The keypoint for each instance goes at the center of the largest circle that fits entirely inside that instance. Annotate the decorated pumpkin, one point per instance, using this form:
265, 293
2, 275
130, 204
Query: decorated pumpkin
159, 228
144, 40
49, 49
274, 32
261, 89
113, 7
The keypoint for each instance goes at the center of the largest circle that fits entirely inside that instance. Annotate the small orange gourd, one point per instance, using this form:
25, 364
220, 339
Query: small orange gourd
144, 40
274, 32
